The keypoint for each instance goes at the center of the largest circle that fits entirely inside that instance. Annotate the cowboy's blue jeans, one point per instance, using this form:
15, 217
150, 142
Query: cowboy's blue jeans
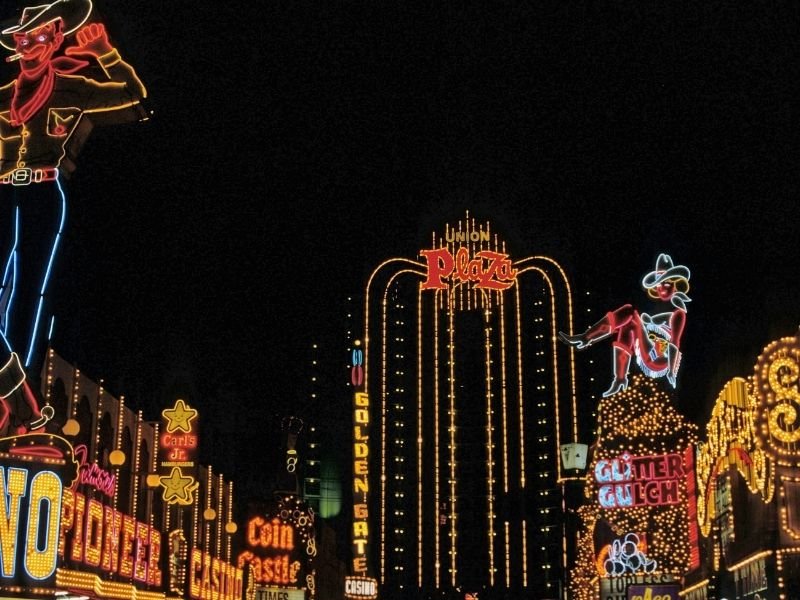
31, 224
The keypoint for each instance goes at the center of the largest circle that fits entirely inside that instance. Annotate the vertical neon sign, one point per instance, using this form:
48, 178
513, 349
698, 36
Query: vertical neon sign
177, 454
360, 465
35, 471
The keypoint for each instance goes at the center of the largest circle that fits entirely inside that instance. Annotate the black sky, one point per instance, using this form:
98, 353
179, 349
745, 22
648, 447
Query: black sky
296, 144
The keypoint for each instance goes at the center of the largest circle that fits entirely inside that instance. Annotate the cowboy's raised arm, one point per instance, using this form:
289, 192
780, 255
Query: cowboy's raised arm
124, 88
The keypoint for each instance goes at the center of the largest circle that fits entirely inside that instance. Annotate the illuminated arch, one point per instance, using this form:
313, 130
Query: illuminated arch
753, 428
460, 296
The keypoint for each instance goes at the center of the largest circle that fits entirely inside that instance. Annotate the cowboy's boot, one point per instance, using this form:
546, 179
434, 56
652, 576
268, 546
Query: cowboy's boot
12, 377
600, 330
674, 359
19, 409
36, 418
622, 360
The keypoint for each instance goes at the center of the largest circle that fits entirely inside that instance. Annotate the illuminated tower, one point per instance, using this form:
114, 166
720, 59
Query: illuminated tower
470, 397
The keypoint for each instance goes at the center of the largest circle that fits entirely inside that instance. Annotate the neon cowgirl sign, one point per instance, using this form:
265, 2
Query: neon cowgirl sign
630, 481
654, 340
488, 270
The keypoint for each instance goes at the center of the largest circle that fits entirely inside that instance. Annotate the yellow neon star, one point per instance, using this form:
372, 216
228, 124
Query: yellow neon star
178, 487
180, 417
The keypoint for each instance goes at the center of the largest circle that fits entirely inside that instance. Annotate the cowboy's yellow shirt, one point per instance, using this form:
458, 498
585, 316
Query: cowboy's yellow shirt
41, 141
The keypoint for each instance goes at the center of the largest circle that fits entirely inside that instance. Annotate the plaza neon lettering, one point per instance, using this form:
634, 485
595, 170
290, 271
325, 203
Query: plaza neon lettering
488, 270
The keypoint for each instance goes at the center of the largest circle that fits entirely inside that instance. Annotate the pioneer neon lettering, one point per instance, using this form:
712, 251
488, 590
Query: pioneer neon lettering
108, 540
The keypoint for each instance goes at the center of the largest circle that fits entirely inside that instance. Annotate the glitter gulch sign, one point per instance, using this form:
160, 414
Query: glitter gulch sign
629, 481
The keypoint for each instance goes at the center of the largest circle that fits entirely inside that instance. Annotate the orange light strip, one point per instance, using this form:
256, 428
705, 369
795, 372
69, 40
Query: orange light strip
97, 419
520, 390
366, 307
195, 520
554, 350
749, 559
503, 390
508, 558
452, 444
419, 439
366, 341
436, 476
76, 378
206, 522
48, 391
489, 445
220, 513
92, 584
117, 443
384, 397
383, 437
568, 289
137, 462
524, 553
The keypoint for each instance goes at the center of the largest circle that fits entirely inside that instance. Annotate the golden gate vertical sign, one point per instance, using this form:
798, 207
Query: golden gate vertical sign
360, 482
360, 567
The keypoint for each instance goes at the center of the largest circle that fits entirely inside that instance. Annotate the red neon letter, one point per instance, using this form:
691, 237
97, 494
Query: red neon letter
440, 265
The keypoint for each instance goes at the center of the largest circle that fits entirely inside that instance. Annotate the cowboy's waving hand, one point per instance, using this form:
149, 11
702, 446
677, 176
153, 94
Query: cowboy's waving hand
92, 41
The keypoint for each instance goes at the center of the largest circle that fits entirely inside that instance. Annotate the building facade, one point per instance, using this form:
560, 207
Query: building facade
748, 485
463, 401
113, 524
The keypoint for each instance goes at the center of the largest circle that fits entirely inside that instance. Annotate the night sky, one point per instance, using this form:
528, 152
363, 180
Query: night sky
294, 145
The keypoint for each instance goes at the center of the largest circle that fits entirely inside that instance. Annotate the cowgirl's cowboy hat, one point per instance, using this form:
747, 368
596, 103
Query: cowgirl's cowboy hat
73, 13
665, 270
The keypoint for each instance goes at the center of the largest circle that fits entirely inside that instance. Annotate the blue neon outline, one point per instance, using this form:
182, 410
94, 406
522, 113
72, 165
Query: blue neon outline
8, 516
6, 343
9, 282
32, 342
50, 513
